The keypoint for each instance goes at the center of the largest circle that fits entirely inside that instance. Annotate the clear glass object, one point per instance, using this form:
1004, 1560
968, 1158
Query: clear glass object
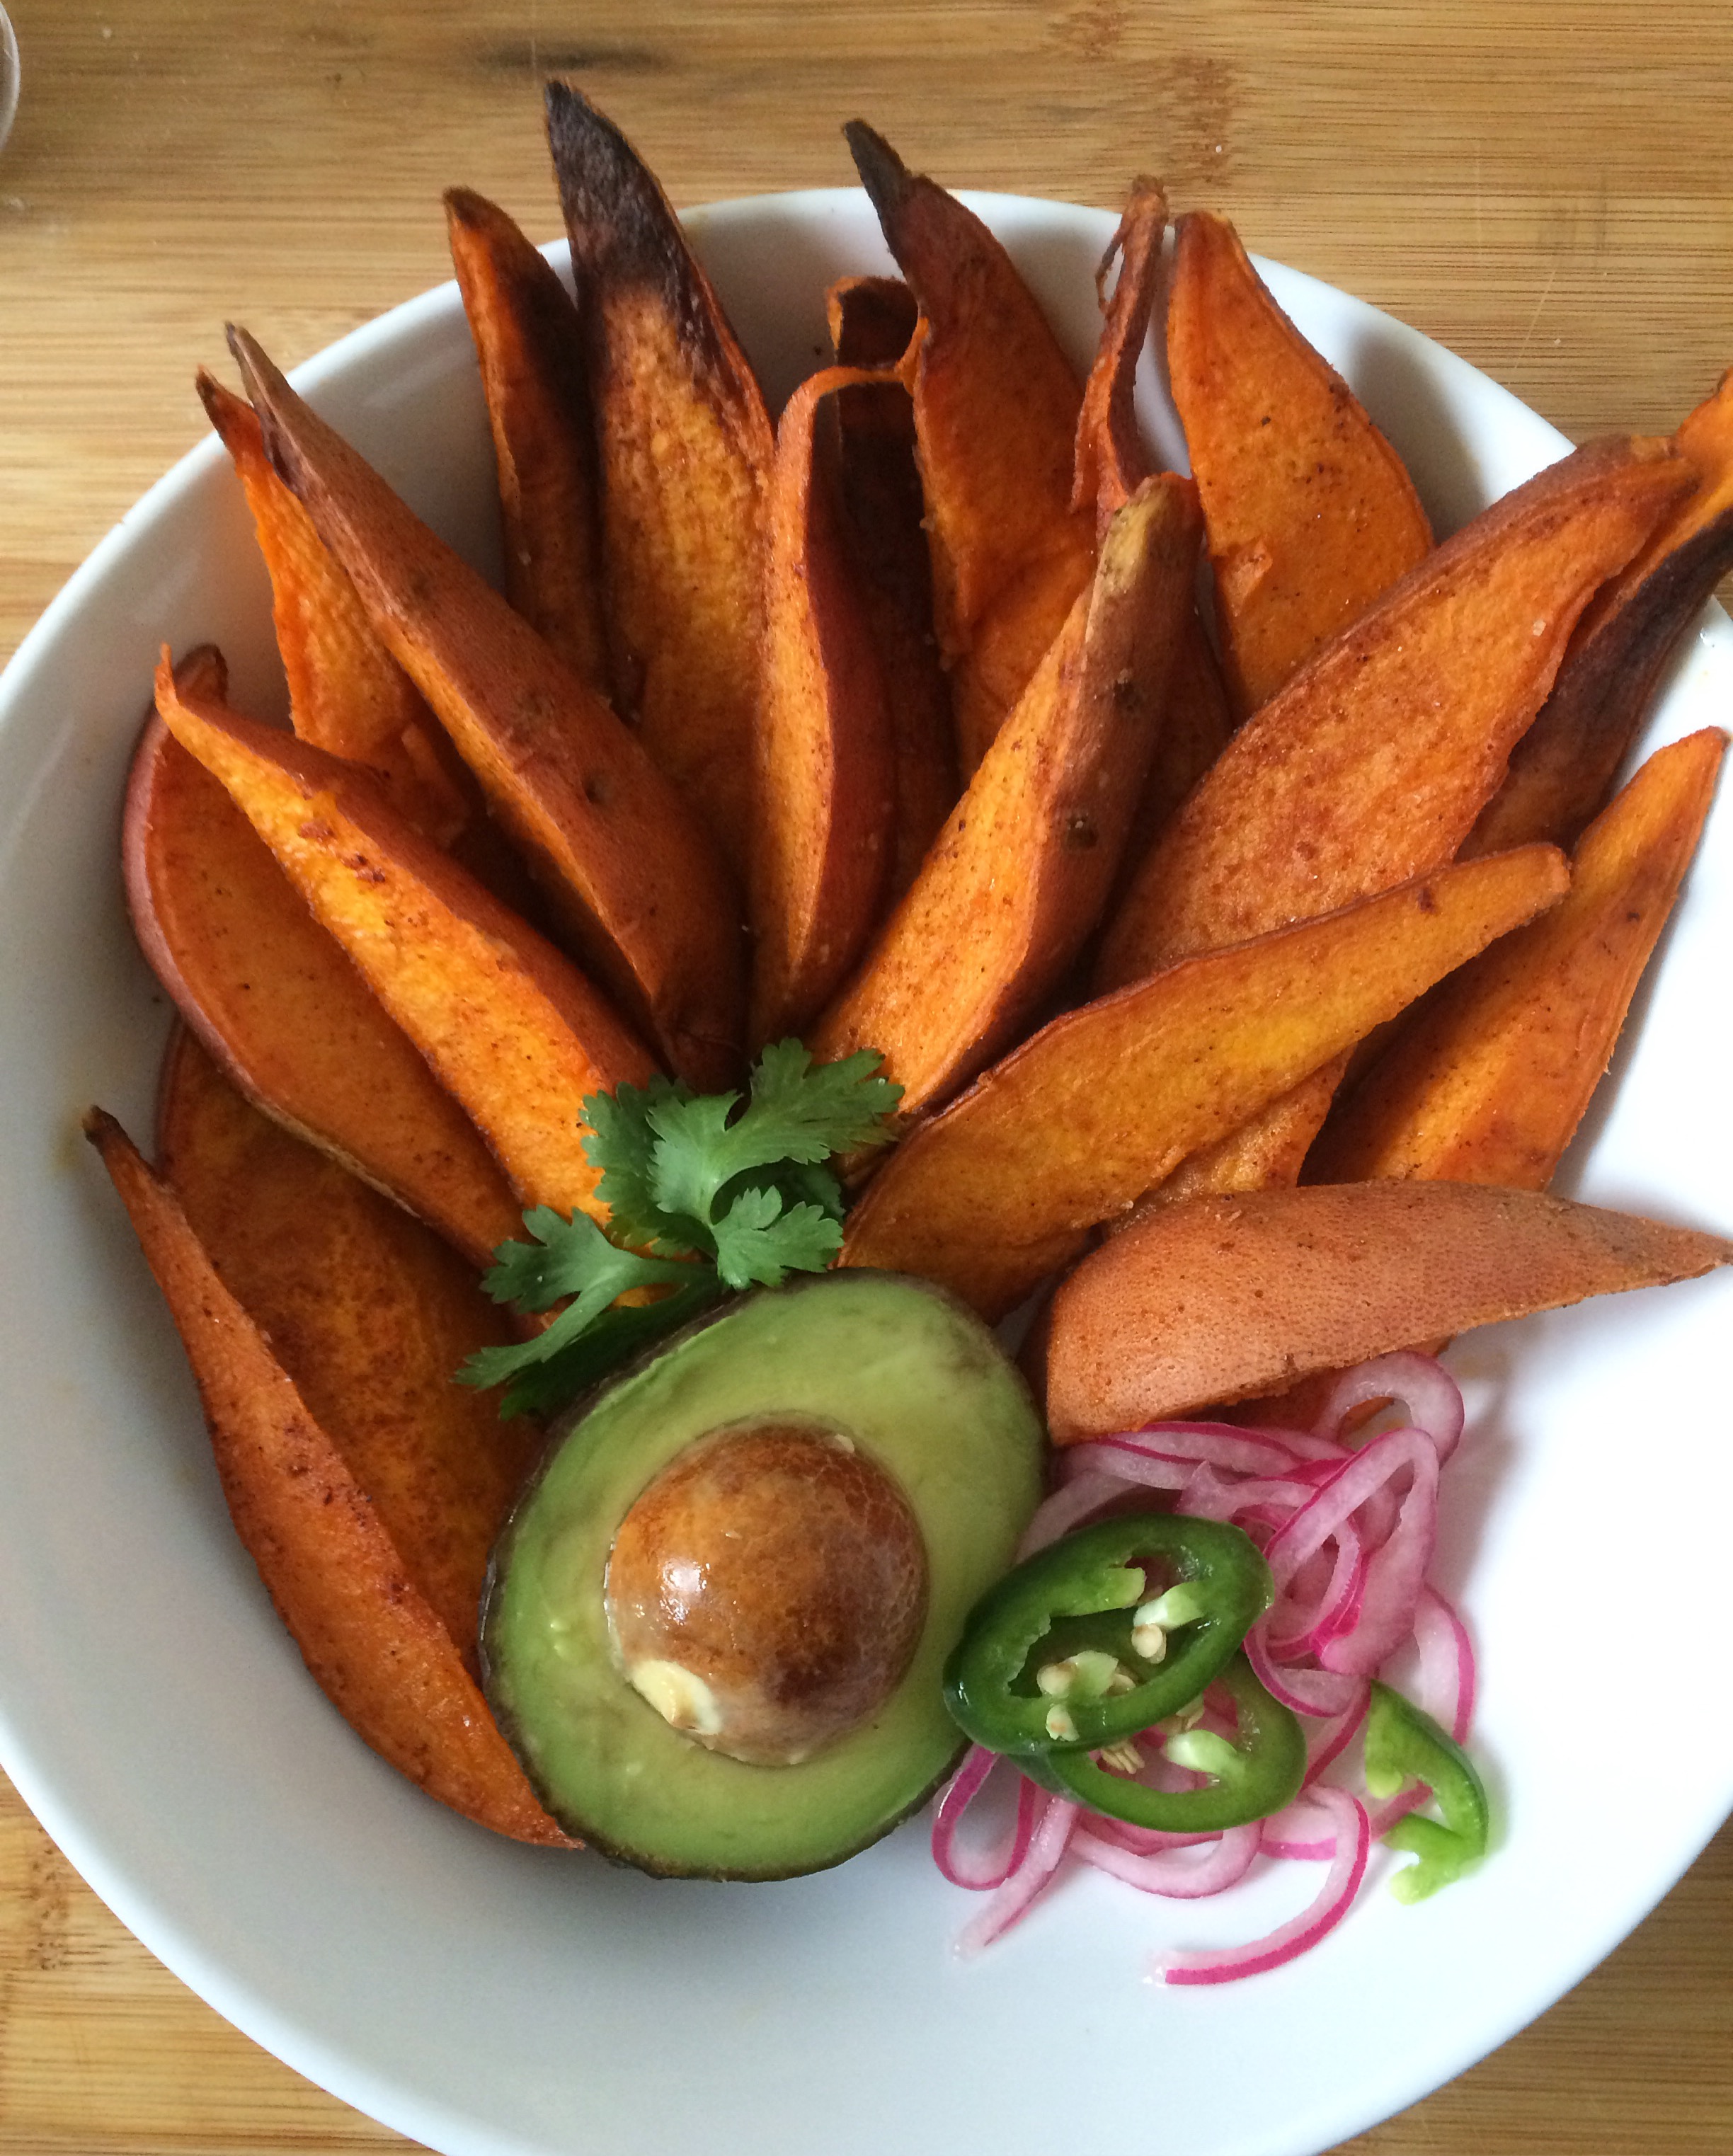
9, 76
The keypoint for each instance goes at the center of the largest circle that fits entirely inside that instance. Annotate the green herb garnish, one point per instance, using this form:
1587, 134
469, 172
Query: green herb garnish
706, 1194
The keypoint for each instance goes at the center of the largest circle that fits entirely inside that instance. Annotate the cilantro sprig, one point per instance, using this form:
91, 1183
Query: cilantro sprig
707, 1193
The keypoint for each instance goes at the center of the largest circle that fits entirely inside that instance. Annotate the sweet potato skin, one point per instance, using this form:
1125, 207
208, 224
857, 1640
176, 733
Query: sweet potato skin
1024, 864
1220, 1298
1490, 1079
530, 348
1371, 766
827, 800
871, 320
1563, 767
996, 407
279, 1007
508, 1026
672, 390
369, 1638
1310, 512
572, 785
370, 1315
1005, 1186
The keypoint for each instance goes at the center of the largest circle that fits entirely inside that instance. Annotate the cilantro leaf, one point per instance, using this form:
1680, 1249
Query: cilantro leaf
705, 1194
759, 1244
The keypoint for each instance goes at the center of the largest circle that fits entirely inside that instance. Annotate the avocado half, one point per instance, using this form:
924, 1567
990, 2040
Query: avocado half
922, 1387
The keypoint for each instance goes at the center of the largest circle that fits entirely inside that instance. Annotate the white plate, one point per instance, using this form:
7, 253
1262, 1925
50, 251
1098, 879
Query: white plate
487, 1998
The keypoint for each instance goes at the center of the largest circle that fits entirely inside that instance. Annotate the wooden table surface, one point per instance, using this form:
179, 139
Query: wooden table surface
1548, 189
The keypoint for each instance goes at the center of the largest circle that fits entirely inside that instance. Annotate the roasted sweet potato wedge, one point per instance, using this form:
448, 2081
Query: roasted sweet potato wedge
512, 1029
530, 346
1309, 513
369, 1637
996, 404
1111, 462
1222, 1297
369, 1314
1024, 864
674, 395
1488, 1081
1005, 1186
827, 800
1371, 766
872, 320
347, 693
634, 880
279, 1005
1563, 767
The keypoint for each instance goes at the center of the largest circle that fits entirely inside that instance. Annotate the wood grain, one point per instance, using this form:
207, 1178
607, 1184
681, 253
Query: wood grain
1548, 190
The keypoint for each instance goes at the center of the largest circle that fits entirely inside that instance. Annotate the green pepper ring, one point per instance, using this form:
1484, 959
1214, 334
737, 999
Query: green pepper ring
1084, 1575
1269, 1769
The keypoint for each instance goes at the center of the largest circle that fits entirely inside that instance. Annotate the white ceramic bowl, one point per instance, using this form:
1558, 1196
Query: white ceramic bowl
487, 1999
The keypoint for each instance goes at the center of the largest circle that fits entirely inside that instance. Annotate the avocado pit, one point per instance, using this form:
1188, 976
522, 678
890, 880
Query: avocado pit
766, 1591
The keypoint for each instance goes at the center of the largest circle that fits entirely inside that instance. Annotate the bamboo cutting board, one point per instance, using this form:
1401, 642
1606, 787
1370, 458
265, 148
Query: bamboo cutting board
1549, 191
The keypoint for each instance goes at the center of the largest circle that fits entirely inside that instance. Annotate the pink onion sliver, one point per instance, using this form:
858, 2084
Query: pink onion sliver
1425, 1387
979, 1874
1324, 1747
1180, 1875
1223, 1444
1337, 1609
1341, 1883
1447, 1664
1141, 1840
1046, 1845
1354, 1484
1321, 1693
1067, 1508
1395, 1573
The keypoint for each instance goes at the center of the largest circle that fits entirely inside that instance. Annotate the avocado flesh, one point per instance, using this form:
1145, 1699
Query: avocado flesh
921, 1386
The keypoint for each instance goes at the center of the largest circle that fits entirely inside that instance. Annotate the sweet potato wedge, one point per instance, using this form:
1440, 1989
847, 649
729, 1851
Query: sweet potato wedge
514, 1030
674, 395
1003, 1186
369, 1638
872, 320
1371, 766
530, 346
369, 1314
279, 1007
1110, 463
826, 801
1223, 1297
1309, 513
1024, 864
996, 404
347, 693
1563, 767
632, 877
1488, 1081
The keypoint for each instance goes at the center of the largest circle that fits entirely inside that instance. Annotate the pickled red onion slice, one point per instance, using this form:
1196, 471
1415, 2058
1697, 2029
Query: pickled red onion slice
1348, 1865
1175, 1873
961, 1867
1047, 1844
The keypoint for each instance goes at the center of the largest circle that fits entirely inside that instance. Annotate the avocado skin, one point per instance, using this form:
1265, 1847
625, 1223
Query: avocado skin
922, 1386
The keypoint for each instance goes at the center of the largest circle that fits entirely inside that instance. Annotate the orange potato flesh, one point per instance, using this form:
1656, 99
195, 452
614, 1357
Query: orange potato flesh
1310, 512
1110, 463
529, 346
674, 393
1371, 766
368, 1637
1563, 767
369, 1314
347, 693
1490, 1081
1005, 1185
995, 405
871, 322
632, 877
511, 1029
1224, 1297
276, 1001
1025, 862
825, 779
